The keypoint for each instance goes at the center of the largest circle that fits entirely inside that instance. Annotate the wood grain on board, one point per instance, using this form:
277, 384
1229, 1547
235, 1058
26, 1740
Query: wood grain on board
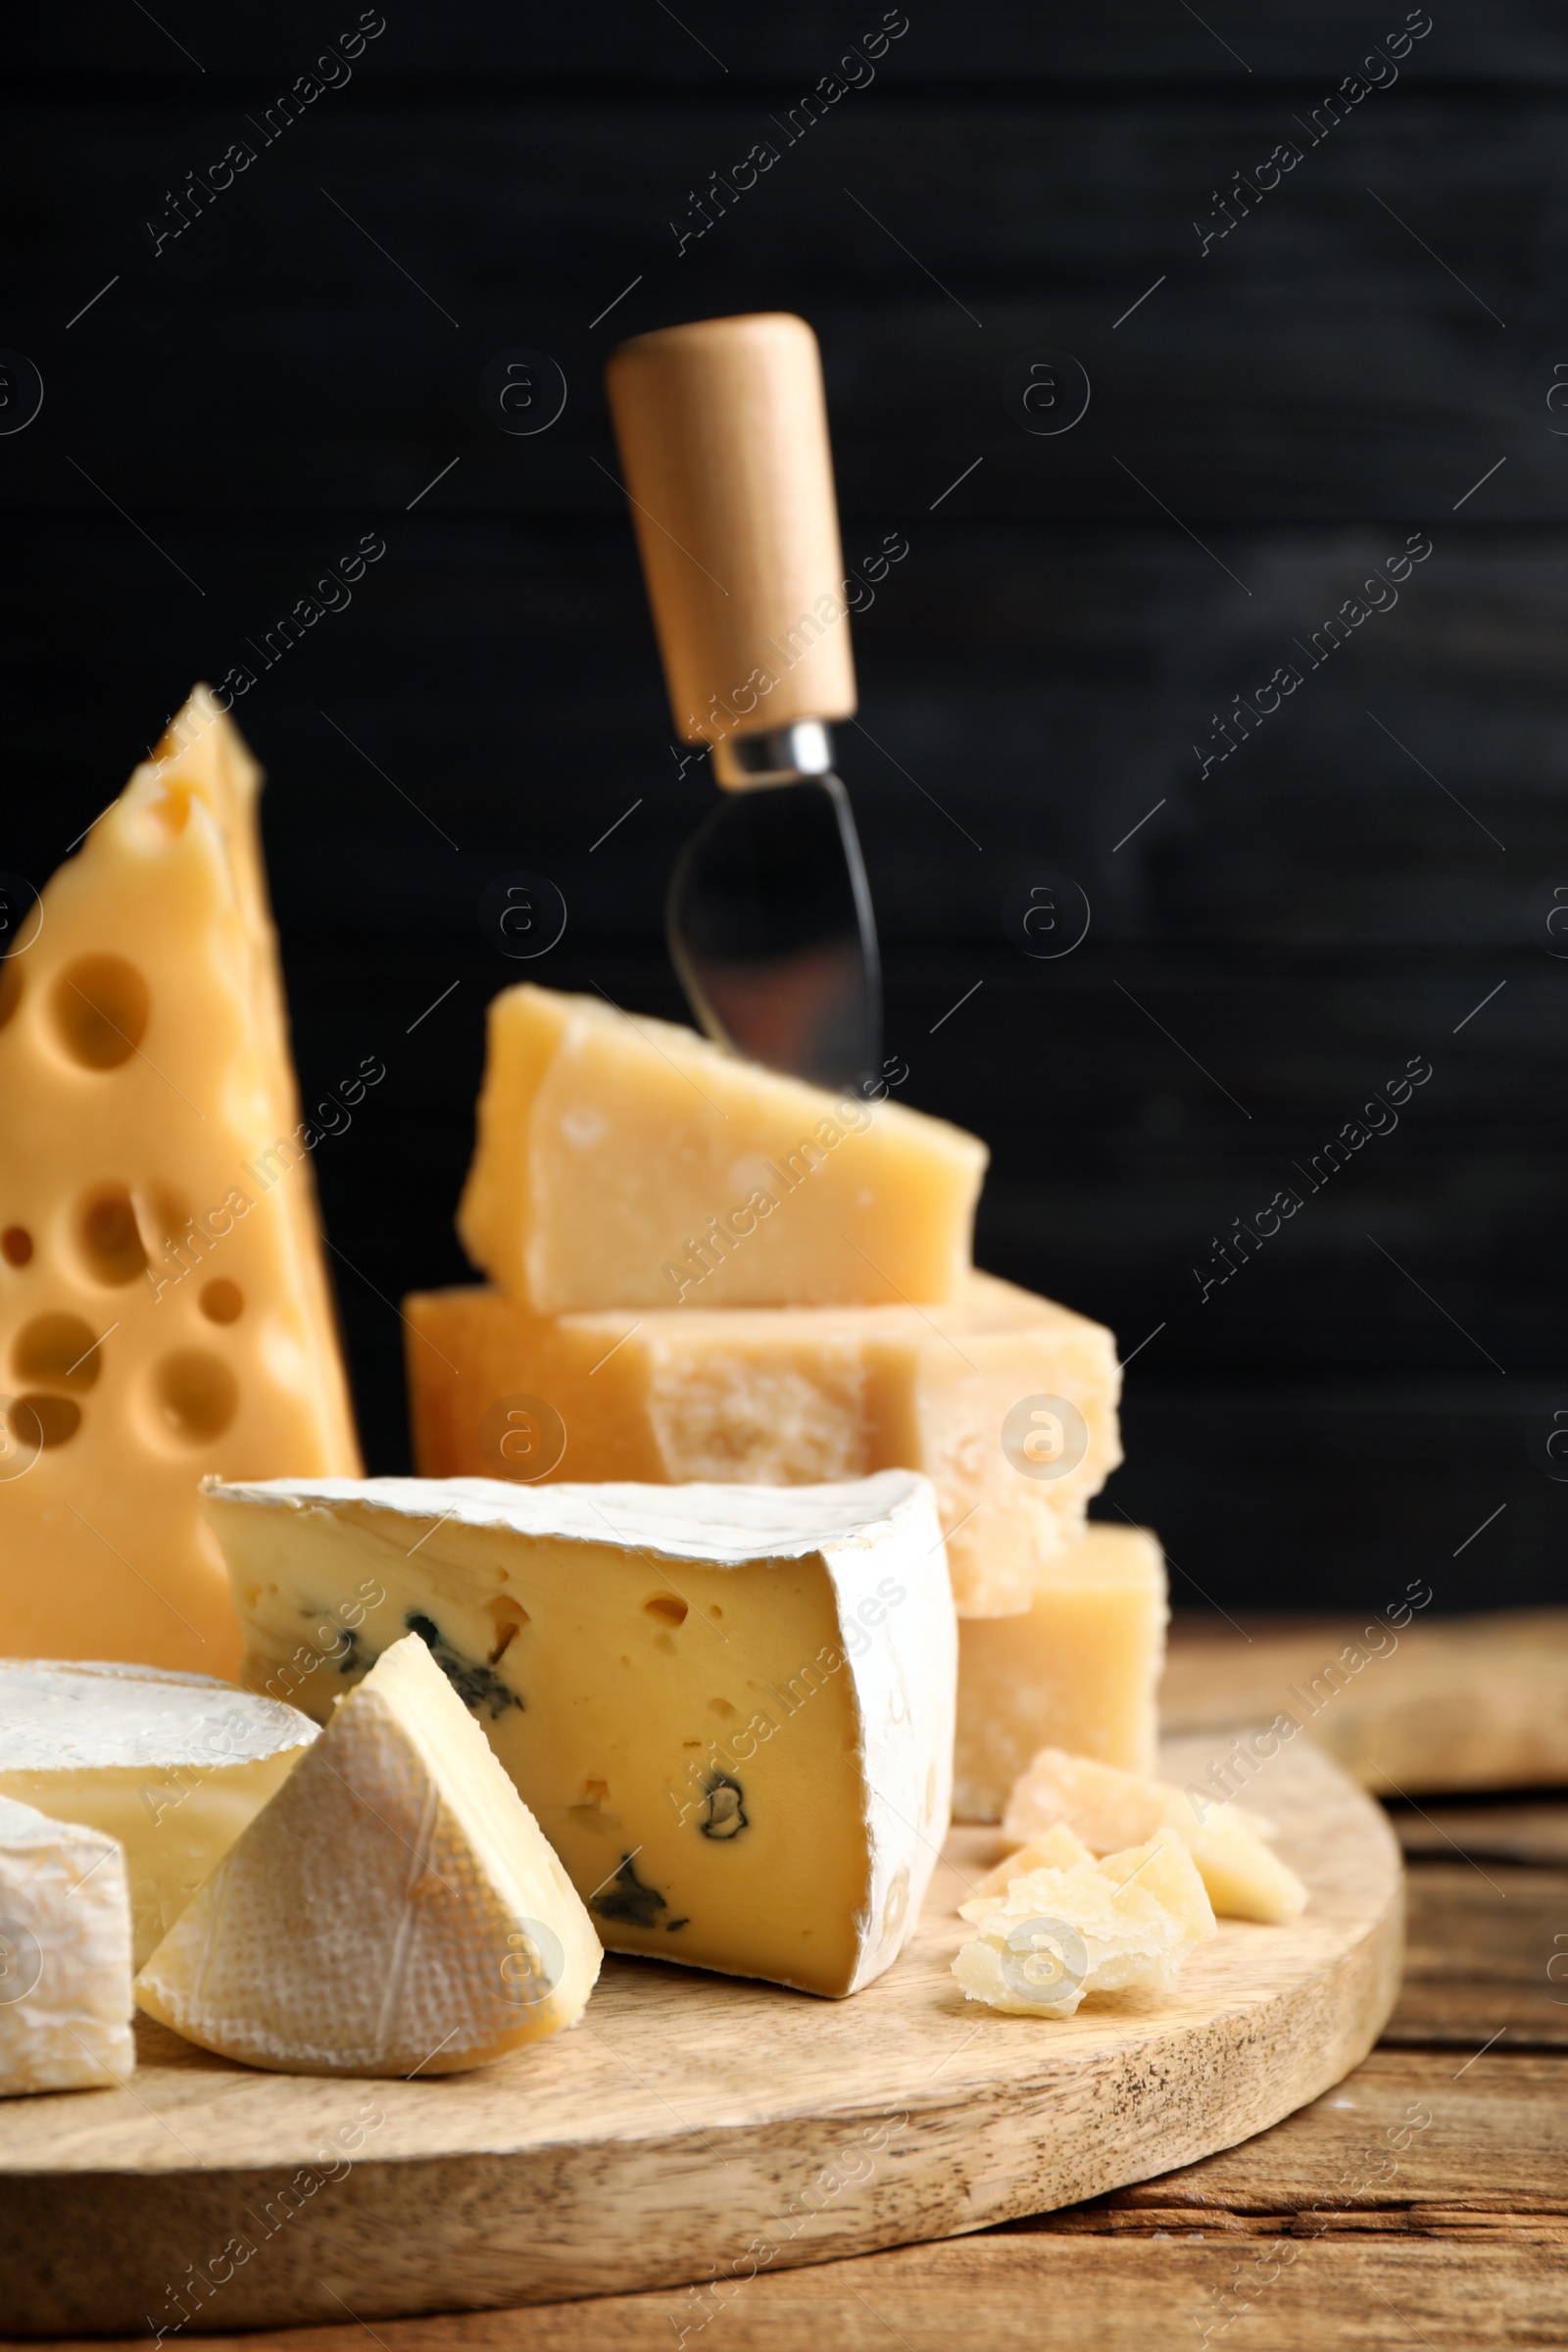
1448, 1704
692, 2116
1416, 2200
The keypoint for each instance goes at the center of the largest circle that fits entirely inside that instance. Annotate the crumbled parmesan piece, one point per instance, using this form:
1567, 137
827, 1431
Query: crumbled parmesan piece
1058, 1850
1062, 1931
1111, 1809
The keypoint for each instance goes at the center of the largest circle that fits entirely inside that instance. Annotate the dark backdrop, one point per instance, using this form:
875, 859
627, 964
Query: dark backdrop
1285, 932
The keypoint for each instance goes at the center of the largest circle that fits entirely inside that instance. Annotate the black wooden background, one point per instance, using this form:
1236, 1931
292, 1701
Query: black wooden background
1269, 419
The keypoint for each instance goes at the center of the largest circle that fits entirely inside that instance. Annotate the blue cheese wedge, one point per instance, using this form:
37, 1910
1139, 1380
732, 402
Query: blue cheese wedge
65, 1955
729, 1707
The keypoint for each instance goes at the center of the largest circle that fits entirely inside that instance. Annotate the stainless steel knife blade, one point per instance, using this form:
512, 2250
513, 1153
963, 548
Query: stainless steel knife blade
769, 917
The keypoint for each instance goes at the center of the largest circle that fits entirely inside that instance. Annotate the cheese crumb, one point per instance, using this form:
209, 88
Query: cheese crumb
1064, 1929
1111, 1809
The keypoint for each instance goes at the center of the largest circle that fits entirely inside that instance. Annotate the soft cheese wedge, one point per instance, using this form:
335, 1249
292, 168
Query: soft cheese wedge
1109, 1809
65, 1955
627, 1162
173, 1766
1072, 1926
395, 1910
1079, 1671
795, 1395
729, 1707
163, 1310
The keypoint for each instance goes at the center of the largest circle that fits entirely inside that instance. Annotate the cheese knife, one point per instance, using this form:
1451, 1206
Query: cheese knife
722, 431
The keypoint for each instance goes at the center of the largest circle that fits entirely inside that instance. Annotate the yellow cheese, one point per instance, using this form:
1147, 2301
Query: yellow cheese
1109, 1809
1055, 1848
163, 1311
395, 1910
627, 1163
729, 1707
1081, 1671
65, 1955
1075, 1927
784, 1396
172, 1766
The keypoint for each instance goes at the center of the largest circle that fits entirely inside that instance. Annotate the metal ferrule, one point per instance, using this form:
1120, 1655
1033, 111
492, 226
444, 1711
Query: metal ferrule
805, 747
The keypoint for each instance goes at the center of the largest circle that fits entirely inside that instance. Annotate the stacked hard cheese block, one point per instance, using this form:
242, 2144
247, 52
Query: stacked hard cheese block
789, 1396
1079, 1671
163, 1311
708, 1271
729, 1708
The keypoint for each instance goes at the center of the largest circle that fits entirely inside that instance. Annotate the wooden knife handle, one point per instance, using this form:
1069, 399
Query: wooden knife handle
722, 430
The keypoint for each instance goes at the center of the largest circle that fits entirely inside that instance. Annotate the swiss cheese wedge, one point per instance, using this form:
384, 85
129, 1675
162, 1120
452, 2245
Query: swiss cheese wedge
395, 1910
163, 1308
795, 1395
627, 1162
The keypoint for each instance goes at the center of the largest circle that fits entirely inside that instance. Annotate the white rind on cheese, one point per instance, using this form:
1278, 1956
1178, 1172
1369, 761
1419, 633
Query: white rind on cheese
395, 1910
171, 1765
65, 1955
726, 1525
807, 1630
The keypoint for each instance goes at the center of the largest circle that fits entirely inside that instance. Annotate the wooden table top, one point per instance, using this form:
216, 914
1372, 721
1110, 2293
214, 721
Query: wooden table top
1423, 2201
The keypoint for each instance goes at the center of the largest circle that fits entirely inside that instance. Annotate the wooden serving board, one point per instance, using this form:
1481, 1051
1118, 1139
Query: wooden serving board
1452, 1704
694, 2128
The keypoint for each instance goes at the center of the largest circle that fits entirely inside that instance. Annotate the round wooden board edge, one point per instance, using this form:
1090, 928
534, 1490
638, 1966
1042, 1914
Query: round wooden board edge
112, 2252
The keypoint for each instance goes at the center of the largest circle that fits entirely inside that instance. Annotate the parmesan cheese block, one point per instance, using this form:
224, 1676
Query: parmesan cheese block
731, 1708
1073, 1927
65, 1955
1108, 1809
395, 1910
172, 1766
797, 1395
163, 1310
627, 1162
1079, 1671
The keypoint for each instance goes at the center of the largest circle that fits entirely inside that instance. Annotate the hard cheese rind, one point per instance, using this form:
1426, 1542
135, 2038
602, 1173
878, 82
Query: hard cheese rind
173, 1766
788, 1396
163, 1311
729, 1707
1079, 1671
627, 1162
65, 1955
394, 1910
